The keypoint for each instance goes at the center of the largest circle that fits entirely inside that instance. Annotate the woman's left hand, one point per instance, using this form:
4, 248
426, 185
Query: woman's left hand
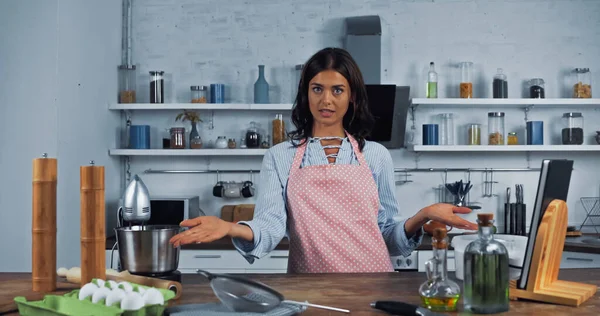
446, 213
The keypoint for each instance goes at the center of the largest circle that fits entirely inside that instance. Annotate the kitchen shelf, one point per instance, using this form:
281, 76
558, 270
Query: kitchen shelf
506, 103
505, 148
201, 106
188, 152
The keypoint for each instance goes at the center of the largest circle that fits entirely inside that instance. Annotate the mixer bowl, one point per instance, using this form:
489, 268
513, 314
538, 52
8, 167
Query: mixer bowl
146, 249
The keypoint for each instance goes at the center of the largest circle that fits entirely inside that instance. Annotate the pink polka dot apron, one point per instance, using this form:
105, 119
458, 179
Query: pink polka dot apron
333, 218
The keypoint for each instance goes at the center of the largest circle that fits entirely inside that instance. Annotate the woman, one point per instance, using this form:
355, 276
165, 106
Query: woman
331, 190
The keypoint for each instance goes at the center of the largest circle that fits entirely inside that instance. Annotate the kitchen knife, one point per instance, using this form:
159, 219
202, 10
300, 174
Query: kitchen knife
507, 212
403, 309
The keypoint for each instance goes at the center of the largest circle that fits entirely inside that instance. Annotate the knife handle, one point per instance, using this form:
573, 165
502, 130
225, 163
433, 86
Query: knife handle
396, 308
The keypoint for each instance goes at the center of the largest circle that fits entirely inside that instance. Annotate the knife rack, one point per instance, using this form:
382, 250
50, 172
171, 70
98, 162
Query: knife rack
543, 284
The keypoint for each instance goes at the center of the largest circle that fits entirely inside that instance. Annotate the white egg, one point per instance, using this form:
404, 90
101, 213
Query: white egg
113, 285
126, 286
87, 290
153, 296
132, 301
141, 290
115, 296
100, 282
101, 293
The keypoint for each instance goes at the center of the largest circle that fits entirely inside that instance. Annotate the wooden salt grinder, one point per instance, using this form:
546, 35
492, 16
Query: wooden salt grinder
43, 228
93, 228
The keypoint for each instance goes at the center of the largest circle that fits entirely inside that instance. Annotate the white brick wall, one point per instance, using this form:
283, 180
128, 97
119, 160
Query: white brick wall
203, 42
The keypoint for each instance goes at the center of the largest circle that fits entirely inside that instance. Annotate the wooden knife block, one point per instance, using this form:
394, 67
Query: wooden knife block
543, 284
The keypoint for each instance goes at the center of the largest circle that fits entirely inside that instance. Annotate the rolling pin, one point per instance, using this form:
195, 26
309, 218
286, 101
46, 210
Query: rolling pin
73, 275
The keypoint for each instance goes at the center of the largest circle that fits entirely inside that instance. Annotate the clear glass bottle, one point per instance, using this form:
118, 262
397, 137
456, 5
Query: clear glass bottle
500, 85
446, 129
199, 94
583, 86
127, 83
496, 128
439, 293
466, 81
432, 81
486, 271
474, 134
572, 131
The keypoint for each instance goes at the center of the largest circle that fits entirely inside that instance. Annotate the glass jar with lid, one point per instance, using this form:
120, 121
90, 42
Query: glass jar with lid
157, 86
474, 134
177, 137
536, 88
199, 94
252, 136
496, 128
127, 83
583, 85
466, 81
572, 130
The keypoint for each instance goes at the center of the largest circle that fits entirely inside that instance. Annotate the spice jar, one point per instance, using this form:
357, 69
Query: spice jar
177, 137
278, 129
127, 84
583, 86
512, 138
572, 132
474, 134
536, 88
496, 128
199, 94
500, 85
196, 142
231, 143
265, 143
466, 81
157, 86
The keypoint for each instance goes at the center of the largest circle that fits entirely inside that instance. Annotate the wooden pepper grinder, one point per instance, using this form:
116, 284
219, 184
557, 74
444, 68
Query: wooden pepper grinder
93, 230
43, 228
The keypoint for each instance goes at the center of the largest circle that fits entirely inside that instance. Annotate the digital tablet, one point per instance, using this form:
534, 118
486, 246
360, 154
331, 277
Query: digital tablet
555, 177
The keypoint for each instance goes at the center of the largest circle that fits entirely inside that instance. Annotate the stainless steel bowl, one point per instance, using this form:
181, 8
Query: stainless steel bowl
146, 249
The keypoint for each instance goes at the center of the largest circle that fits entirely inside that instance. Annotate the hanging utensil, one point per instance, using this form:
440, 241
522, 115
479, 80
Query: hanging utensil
244, 295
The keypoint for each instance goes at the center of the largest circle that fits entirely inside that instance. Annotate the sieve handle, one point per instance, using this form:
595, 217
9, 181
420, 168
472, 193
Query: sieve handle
317, 306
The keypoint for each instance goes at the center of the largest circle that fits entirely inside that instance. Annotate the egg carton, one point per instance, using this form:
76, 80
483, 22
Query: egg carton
79, 302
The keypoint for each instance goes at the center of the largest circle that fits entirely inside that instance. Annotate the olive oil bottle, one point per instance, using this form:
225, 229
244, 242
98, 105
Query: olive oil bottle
438, 293
432, 82
486, 271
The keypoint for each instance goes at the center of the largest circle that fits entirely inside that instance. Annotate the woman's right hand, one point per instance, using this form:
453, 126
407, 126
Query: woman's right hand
202, 229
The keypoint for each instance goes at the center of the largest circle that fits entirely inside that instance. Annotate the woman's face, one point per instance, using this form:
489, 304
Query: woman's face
328, 98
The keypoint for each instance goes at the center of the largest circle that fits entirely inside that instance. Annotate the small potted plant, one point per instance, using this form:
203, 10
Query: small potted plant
194, 118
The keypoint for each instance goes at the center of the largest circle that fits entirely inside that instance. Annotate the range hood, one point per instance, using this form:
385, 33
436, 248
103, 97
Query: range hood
388, 103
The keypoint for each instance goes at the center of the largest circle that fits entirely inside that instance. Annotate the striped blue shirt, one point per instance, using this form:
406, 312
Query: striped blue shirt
269, 223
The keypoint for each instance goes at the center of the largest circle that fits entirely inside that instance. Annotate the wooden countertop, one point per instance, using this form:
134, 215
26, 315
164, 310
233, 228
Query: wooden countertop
350, 291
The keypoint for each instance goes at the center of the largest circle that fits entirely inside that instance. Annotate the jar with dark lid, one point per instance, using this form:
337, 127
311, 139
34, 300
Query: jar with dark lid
536, 88
572, 131
177, 137
199, 94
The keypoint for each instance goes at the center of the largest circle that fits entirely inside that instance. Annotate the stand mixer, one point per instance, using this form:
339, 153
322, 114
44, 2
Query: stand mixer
144, 249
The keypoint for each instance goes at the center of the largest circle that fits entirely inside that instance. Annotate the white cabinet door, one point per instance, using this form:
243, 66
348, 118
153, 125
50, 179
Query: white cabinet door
579, 260
425, 255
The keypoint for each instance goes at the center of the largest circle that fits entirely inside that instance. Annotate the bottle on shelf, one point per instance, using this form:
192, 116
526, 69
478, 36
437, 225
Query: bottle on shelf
432, 81
500, 85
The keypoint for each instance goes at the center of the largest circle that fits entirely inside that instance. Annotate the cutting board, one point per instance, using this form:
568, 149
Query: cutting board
13, 288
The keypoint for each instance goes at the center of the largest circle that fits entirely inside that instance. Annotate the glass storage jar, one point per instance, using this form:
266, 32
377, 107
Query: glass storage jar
466, 80
496, 128
500, 85
252, 136
278, 129
446, 129
474, 134
536, 88
572, 131
512, 139
583, 86
177, 137
157, 86
199, 94
127, 83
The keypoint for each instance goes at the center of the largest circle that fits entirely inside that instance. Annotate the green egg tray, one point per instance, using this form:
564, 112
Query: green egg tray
70, 305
